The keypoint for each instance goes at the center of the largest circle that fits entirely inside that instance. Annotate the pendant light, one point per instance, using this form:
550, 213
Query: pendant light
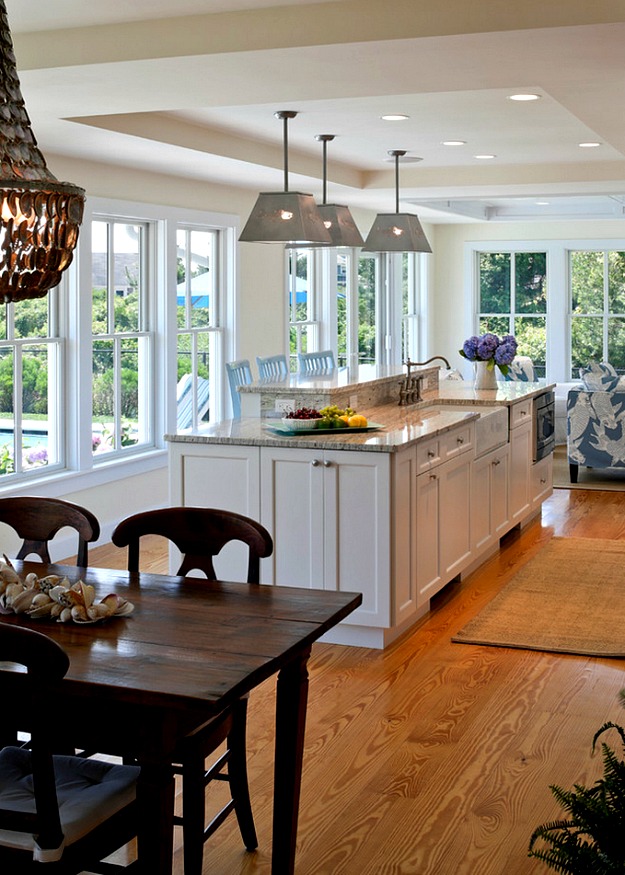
336, 217
39, 216
396, 232
285, 216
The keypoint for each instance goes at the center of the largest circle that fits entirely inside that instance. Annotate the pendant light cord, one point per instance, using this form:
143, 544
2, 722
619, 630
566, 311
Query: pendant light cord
286, 152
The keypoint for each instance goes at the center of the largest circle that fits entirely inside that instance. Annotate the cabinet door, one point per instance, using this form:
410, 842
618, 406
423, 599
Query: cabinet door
489, 498
542, 480
520, 467
500, 490
291, 508
429, 579
404, 548
357, 531
214, 475
455, 515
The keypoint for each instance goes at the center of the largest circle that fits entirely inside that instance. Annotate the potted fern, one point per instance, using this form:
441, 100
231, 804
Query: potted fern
591, 841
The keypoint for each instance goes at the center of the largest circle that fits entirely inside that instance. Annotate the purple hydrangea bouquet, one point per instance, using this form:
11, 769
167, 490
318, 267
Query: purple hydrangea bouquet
490, 349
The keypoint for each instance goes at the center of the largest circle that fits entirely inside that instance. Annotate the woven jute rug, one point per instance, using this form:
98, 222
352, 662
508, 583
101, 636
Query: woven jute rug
568, 599
603, 479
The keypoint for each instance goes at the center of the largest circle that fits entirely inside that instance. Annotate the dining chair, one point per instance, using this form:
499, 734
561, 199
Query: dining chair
64, 814
37, 520
310, 362
272, 366
199, 533
239, 374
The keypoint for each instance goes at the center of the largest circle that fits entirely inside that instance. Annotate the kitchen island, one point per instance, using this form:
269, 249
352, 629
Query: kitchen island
395, 513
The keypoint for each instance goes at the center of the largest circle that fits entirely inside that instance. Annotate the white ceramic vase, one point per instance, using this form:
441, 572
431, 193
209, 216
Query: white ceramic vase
484, 378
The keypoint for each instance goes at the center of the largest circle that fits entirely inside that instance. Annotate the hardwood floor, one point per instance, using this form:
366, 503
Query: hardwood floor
433, 758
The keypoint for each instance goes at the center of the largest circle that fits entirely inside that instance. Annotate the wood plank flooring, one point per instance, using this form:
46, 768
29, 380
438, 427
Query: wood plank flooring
433, 758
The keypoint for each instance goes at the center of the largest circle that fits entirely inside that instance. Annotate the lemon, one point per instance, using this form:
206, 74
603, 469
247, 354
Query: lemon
357, 421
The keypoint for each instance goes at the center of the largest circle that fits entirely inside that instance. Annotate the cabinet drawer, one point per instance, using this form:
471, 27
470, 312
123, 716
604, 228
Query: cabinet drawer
457, 441
428, 454
520, 413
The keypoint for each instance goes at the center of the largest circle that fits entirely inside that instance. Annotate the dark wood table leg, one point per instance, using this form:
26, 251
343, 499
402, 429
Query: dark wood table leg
155, 797
292, 698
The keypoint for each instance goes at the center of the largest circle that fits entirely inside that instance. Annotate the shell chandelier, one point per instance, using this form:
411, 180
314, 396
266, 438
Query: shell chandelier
39, 216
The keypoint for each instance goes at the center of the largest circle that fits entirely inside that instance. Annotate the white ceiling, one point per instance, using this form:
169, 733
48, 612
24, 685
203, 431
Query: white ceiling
194, 93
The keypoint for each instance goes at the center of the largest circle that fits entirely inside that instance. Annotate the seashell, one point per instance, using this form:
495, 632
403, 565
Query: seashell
41, 598
47, 583
31, 581
63, 595
125, 609
65, 616
40, 610
88, 593
98, 612
79, 613
12, 591
8, 574
56, 609
23, 601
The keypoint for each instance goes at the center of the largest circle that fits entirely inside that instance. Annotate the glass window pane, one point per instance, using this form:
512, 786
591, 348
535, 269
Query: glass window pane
127, 275
616, 282
498, 325
3, 321
203, 377
7, 419
530, 282
201, 278
35, 407
586, 342
30, 318
587, 282
531, 337
366, 310
99, 275
129, 392
103, 429
341, 307
616, 344
495, 282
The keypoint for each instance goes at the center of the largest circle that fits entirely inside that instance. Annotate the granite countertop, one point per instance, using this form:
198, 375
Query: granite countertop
402, 426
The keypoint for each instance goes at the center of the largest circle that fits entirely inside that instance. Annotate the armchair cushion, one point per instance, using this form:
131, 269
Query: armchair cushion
521, 368
599, 376
596, 428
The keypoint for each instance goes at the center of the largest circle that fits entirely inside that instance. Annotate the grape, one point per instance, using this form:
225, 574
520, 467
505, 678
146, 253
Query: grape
303, 413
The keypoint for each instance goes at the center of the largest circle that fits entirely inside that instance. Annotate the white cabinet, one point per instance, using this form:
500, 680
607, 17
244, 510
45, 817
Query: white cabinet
443, 513
214, 475
490, 498
329, 514
520, 460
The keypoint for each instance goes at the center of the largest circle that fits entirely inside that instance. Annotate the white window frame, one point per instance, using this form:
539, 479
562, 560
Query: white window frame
74, 291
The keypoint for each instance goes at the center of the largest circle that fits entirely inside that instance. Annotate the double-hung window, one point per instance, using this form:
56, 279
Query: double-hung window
122, 367
302, 297
31, 352
512, 291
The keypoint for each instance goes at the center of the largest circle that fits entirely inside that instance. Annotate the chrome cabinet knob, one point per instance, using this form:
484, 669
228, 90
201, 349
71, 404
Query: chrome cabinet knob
314, 463
431, 454
327, 464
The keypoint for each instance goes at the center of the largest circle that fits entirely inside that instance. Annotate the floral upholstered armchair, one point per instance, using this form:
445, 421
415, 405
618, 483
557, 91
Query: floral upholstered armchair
596, 420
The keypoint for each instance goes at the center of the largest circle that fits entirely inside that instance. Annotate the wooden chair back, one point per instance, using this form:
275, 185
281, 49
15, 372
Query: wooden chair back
239, 374
37, 520
199, 533
272, 367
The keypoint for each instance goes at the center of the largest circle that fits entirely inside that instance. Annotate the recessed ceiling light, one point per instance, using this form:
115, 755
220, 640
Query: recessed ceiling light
454, 143
484, 157
398, 117
542, 203
589, 145
522, 97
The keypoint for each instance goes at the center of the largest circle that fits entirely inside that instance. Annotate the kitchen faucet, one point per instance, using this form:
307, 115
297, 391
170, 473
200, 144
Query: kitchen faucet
410, 387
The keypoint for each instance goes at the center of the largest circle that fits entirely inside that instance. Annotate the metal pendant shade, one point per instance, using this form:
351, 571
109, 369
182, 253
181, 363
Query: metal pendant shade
39, 216
285, 216
337, 218
396, 232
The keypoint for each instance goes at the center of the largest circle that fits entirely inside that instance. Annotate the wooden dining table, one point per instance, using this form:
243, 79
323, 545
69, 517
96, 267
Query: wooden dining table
138, 684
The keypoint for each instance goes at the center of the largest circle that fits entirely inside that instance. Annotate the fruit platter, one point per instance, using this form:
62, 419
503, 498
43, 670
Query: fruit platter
327, 420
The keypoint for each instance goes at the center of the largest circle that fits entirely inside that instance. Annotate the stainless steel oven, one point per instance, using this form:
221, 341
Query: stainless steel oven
544, 425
